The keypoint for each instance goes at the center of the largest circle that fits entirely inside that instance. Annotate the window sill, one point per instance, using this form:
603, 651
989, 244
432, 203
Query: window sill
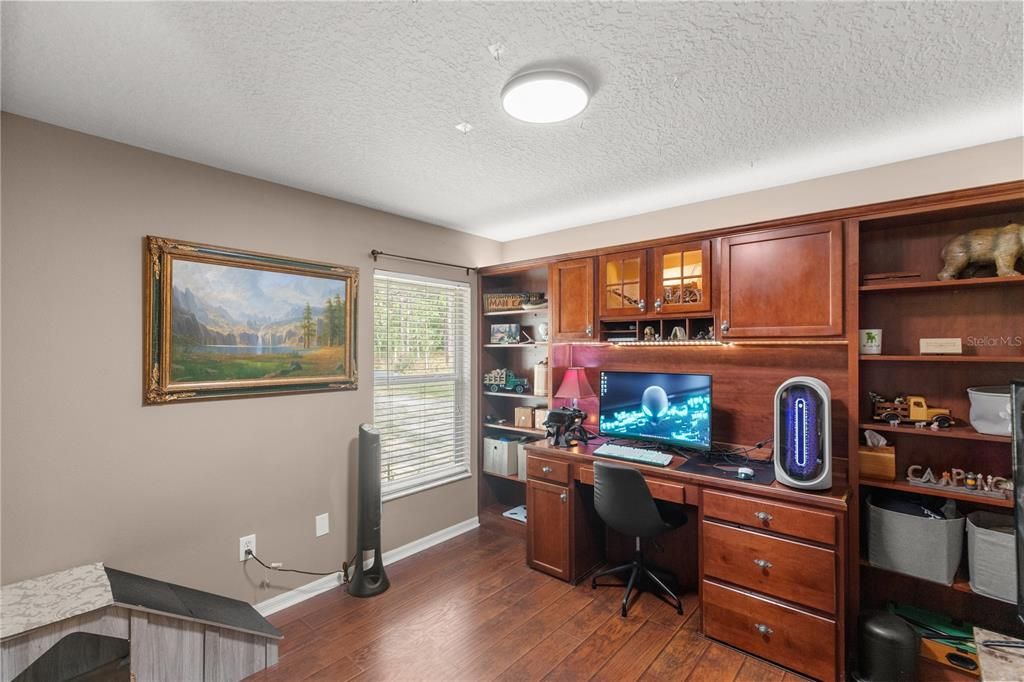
390, 497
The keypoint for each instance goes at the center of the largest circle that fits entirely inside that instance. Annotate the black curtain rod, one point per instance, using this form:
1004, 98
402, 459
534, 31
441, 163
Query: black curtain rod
375, 253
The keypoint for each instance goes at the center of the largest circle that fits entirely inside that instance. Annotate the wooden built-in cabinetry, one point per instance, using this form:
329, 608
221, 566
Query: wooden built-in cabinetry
572, 300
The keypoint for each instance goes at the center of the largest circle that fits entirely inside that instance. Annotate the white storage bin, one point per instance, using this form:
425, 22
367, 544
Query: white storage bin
500, 457
521, 451
922, 547
991, 555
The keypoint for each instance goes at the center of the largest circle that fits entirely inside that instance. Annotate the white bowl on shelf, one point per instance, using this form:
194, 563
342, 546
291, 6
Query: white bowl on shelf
991, 410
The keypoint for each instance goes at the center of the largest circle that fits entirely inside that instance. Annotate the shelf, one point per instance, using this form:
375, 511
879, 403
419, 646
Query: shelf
951, 493
960, 583
521, 396
499, 313
994, 359
943, 284
509, 477
958, 432
516, 429
515, 345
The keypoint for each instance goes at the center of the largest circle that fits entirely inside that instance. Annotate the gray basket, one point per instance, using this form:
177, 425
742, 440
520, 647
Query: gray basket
990, 554
925, 548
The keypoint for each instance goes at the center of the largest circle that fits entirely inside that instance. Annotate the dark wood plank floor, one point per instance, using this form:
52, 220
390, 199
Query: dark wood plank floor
470, 609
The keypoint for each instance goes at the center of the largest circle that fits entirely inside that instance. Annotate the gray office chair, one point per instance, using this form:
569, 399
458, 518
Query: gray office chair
624, 503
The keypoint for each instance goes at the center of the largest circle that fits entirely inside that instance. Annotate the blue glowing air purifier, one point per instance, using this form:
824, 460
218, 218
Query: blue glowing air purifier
803, 434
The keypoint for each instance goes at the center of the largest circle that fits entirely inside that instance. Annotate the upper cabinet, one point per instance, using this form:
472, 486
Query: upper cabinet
622, 289
681, 278
783, 282
571, 284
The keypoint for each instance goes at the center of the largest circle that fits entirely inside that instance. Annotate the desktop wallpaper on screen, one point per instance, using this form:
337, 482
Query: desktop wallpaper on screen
668, 408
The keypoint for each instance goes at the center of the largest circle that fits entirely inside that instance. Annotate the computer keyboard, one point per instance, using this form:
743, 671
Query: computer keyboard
638, 455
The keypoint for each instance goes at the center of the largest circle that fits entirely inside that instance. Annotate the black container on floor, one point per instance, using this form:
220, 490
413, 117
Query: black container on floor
889, 648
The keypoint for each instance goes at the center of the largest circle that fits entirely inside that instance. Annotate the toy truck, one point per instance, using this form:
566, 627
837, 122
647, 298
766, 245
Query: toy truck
912, 408
505, 380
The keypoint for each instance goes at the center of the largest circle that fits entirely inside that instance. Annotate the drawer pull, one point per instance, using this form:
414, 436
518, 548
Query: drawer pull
546, 469
761, 563
763, 629
564, 497
763, 516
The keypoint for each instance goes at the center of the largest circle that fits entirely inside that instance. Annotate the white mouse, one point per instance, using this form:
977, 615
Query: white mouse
746, 473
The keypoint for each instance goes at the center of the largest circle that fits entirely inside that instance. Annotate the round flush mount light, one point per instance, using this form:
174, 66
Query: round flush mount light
545, 96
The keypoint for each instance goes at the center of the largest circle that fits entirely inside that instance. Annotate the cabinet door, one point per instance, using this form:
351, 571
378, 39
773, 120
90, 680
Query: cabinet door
547, 528
681, 278
783, 282
622, 284
572, 299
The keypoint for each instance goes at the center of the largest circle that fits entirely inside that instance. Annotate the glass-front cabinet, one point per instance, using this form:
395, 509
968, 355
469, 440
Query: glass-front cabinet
622, 288
681, 277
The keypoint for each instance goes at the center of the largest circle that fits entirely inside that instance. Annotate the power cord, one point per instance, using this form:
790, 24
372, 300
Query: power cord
277, 567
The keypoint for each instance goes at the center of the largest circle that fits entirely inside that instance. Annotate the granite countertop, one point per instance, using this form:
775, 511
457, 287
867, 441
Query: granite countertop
36, 602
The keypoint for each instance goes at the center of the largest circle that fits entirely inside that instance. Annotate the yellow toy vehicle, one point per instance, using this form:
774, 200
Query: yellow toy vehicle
911, 408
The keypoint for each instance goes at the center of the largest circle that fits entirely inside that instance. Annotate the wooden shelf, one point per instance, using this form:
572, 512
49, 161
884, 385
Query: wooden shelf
499, 313
951, 493
995, 359
515, 429
516, 345
959, 432
961, 583
944, 284
509, 477
521, 396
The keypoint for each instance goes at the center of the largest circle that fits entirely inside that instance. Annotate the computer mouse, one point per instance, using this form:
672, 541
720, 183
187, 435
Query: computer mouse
746, 473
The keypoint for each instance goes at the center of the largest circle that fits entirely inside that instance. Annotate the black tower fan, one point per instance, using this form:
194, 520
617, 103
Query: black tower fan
367, 582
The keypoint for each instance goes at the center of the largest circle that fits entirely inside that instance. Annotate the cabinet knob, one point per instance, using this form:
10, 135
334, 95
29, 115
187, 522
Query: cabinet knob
763, 629
590, 330
657, 305
725, 326
546, 469
761, 563
564, 497
643, 306
763, 516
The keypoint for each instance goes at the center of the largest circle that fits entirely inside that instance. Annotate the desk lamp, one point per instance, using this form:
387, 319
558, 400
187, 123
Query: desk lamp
565, 426
575, 386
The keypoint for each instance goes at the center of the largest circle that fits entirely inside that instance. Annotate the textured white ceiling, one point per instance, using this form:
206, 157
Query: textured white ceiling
360, 101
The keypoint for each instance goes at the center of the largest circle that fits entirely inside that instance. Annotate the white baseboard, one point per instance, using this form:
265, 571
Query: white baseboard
329, 582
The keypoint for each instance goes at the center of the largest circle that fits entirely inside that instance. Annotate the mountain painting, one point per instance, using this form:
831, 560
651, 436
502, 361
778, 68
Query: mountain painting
233, 323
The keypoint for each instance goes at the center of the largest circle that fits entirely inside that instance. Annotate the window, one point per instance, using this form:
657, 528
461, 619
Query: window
421, 389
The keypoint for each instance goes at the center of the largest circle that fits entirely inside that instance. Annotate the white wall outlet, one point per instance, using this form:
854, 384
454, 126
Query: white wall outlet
323, 524
248, 542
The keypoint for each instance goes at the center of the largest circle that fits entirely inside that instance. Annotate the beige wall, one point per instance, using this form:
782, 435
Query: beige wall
972, 167
88, 474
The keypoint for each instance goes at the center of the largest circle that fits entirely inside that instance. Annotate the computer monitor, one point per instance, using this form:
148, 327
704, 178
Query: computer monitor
664, 408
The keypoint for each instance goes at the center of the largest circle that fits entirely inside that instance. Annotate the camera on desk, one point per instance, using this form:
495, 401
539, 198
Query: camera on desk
565, 427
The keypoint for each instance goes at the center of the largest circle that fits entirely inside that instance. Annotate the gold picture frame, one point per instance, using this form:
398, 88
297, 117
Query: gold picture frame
244, 324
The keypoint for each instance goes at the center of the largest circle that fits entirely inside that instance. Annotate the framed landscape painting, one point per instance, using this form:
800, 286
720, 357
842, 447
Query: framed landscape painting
224, 323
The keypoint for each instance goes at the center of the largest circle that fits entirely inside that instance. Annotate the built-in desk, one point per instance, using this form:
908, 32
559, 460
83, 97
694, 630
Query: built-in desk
769, 561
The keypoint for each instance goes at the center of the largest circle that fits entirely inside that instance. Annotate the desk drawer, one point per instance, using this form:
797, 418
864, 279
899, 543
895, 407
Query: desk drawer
790, 637
801, 522
785, 569
547, 469
660, 490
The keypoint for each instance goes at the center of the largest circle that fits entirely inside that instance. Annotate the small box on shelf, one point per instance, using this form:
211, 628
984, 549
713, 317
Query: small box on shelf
524, 417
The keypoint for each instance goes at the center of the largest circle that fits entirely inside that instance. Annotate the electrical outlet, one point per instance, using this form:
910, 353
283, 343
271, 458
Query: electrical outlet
248, 542
323, 524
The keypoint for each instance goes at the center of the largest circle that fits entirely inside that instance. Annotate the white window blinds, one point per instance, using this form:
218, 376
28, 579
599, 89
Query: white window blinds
421, 389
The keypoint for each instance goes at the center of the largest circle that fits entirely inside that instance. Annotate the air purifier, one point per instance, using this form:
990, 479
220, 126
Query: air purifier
803, 434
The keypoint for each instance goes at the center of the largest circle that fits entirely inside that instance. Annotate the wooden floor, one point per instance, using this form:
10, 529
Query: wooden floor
470, 609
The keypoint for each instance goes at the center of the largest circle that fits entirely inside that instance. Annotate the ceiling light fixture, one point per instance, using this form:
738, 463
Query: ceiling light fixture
545, 96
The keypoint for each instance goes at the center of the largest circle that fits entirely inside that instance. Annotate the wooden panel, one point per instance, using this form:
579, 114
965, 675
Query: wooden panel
783, 282
799, 522
165, 649
547, 528
660, 490
799, 573
793, 638
231, 656
659, 291
571, 288
547, 469
622, 284
19, 652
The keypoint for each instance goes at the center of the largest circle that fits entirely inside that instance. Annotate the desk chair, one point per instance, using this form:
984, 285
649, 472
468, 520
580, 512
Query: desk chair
624, 503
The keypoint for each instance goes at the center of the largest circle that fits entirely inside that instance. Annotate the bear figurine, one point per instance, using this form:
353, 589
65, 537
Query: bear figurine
999, 245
